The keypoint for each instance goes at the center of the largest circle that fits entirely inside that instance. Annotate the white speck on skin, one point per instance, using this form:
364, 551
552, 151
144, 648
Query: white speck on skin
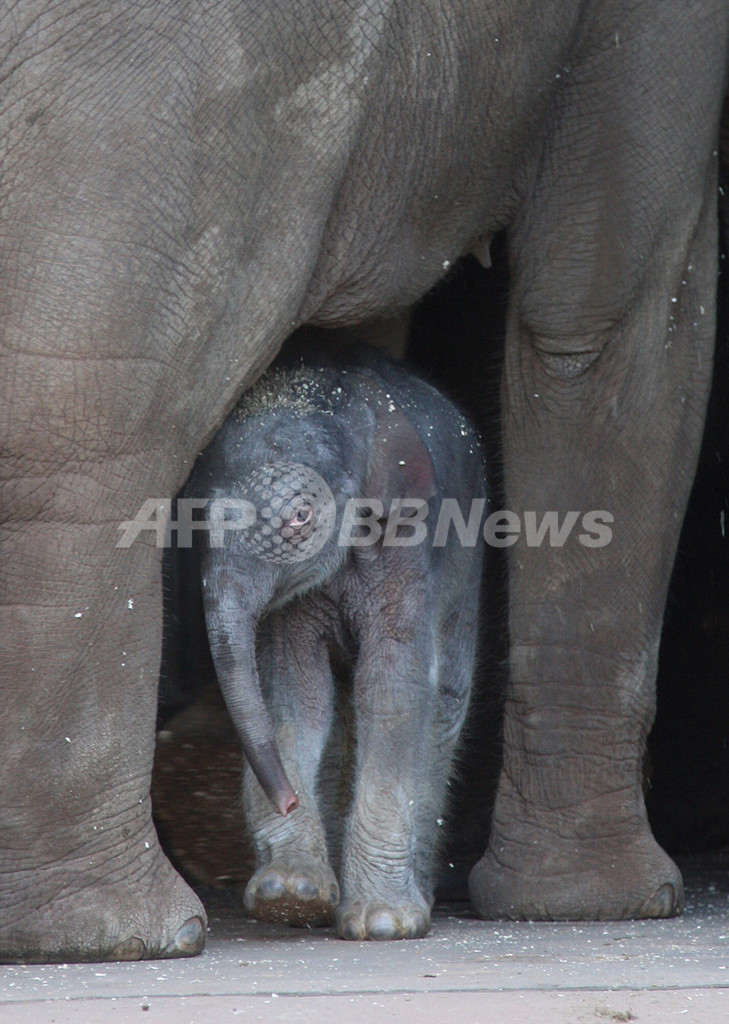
77, 615
446, 264
68, 739
130, 603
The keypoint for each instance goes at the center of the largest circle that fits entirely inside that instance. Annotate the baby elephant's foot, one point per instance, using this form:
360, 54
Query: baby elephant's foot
383, 919
299, 891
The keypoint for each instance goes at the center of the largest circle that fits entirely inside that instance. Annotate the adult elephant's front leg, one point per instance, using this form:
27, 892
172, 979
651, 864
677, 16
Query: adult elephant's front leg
101, 342
95, 417
126, 266
82, 874
608, 368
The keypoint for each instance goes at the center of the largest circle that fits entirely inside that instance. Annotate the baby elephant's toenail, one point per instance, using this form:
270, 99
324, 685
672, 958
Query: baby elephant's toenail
305, 889
271, 888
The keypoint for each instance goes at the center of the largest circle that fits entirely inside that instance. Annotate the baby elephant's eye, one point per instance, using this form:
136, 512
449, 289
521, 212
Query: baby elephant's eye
301, 517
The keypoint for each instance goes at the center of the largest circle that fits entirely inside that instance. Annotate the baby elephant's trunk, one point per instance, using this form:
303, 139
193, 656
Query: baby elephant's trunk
231, 625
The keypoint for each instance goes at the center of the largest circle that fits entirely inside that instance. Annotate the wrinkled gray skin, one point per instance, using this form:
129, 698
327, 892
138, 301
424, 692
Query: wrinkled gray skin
400, 620
183, 184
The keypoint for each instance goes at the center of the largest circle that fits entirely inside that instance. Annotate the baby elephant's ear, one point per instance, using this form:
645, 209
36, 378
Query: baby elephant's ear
399, 464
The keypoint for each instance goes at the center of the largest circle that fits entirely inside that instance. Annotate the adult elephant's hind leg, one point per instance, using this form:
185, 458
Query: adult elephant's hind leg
570, 837
608, 369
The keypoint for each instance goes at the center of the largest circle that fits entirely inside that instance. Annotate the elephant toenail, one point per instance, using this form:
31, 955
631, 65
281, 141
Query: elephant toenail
663, 903
132, 948
384, 926
271, 888
351, 929
189, 940
305, 889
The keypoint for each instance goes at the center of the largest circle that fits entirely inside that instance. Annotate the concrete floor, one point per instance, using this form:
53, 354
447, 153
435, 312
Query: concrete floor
465, 972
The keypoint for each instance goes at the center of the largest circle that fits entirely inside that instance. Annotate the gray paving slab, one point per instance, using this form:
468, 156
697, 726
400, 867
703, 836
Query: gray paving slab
465, 970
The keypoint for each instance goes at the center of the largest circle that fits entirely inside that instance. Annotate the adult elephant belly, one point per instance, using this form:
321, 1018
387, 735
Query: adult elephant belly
177, 195
436, 154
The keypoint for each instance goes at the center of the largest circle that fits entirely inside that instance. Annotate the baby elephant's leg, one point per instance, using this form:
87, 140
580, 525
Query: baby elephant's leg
454, 668
395, 704
293, 882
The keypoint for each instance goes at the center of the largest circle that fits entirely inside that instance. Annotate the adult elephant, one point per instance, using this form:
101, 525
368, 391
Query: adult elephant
182, 184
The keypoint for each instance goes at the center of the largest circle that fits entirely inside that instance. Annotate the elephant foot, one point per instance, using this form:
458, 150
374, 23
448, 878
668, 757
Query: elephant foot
551, 878
299, 891
380, 919
98, 910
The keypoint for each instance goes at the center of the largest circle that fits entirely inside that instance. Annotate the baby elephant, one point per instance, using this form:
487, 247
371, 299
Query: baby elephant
342, 607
